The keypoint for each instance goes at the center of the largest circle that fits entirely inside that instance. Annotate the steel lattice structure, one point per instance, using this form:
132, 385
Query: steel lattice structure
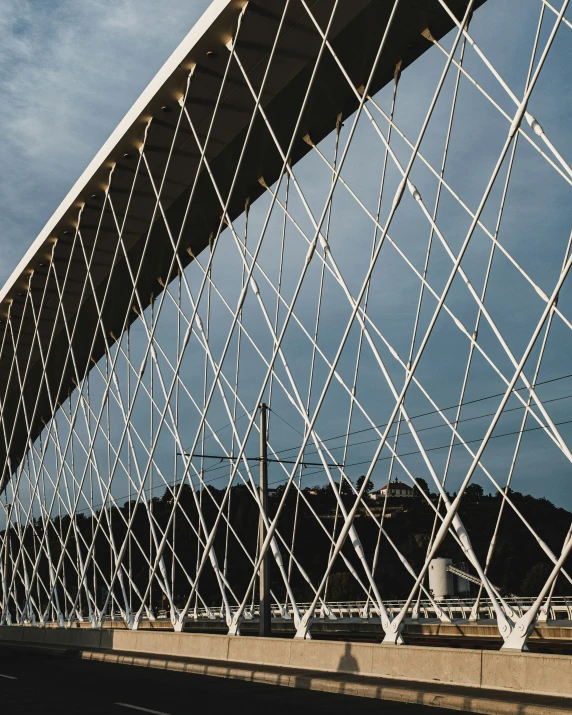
300, 212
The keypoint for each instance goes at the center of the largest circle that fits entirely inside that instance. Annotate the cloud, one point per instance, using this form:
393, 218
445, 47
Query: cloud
68, 73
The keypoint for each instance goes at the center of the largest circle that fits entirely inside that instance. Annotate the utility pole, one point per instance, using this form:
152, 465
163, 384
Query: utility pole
264, 575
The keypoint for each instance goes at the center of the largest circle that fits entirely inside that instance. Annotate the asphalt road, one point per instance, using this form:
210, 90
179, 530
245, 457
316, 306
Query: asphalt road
44, 685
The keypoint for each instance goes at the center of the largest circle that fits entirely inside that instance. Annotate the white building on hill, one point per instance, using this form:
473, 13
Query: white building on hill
394, 489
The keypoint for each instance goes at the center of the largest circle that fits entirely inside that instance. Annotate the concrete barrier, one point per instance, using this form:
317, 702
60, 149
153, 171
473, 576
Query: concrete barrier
518, 673
527, 672
449, 666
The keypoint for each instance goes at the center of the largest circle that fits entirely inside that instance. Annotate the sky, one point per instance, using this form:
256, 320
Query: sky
70, 70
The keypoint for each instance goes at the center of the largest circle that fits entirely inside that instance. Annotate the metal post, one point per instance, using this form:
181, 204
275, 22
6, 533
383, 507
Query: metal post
5, 618
264, 581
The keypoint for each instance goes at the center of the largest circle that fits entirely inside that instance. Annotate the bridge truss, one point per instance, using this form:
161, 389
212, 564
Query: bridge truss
355, 213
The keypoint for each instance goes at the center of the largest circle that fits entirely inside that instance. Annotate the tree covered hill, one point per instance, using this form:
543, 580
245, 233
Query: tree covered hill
518, 565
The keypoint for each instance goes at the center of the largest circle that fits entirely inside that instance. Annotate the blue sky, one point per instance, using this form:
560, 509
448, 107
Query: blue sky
69, 71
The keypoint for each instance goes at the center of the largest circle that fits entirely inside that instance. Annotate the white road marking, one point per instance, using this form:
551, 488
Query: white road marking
8, 677
145, 710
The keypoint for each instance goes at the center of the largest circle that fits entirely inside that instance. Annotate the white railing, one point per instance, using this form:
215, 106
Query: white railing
454, 609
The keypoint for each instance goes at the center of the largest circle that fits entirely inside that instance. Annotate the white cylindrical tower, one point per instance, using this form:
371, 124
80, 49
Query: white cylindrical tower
440, 580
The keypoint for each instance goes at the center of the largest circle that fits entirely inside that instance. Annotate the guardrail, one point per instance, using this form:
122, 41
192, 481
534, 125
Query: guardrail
560, 608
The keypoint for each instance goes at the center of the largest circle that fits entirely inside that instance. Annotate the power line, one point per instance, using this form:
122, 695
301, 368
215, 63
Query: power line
286, 422
434, 412
357, 464
459, 444
414, 417
405, 433
441, 426
254, 459
368, 429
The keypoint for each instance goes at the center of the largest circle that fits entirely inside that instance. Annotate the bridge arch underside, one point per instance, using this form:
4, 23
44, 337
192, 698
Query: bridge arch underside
355, 213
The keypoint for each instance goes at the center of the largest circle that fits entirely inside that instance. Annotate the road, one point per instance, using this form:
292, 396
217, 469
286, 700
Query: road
40, 684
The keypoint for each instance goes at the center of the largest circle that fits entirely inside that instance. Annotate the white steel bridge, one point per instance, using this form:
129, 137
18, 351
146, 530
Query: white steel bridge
327, 249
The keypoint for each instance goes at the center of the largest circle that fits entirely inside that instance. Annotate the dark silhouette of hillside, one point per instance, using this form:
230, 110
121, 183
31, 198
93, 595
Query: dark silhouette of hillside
519, 566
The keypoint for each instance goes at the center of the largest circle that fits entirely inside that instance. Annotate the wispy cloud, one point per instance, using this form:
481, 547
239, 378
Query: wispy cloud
70, 70
68, 73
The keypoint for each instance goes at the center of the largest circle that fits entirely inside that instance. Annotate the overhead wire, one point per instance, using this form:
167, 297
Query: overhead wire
412, 417
219, 466
433, 412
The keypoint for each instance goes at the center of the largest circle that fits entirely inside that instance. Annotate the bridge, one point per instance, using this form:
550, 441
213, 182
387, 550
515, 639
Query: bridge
298, 339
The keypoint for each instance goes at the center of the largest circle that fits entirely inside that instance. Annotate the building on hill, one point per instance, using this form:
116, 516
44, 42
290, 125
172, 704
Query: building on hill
394, 489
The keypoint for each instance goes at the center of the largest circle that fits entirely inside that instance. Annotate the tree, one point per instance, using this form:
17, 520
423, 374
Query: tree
474, 491
535, 579
423, 484
360, 482
345, 487
342, 587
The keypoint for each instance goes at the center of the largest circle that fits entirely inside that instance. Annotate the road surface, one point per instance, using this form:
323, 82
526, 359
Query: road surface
44, 684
